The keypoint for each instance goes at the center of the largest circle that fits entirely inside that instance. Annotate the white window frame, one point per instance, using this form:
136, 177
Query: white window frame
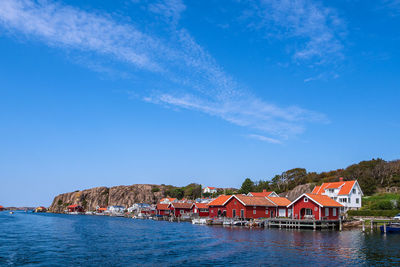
305, 199
254, 211
357, 201
334, 212
182, 211
266, 211
326, 211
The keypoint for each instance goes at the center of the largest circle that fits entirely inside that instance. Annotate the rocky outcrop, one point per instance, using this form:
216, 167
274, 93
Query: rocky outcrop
297, 191
104, 196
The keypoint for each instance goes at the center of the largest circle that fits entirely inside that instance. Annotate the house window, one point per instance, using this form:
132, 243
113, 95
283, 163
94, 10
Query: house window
233, 213
349, 200
182, 211
306, 199
242, 213
334, 211
266, 211
354, 191
234, 202
254, 211
357, 200
326, 211
308, 211
212, 211
315, 209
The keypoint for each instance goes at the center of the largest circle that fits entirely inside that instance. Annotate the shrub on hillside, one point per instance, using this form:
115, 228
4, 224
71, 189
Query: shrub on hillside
382, 205
380, 213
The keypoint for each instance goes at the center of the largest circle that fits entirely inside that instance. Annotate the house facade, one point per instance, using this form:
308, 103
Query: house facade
209, 190
75, 208
347, 193
163, 209
281, 204
314, 206
216, 207
248, 207
201, 209
179, 209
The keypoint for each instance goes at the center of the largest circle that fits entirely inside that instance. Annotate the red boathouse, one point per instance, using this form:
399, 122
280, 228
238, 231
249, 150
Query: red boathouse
163, 209
201, 209
248, 207
313, 206
216, 207
75, 208
180, 209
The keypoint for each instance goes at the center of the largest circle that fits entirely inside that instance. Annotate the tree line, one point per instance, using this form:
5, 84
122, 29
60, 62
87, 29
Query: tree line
371, 175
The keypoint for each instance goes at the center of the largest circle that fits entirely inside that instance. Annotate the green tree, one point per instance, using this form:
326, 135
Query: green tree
247, 186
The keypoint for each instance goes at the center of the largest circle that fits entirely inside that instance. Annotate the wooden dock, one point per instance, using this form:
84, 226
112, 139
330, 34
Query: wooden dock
299, 224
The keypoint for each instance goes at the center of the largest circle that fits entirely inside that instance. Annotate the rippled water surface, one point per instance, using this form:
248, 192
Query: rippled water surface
65, 240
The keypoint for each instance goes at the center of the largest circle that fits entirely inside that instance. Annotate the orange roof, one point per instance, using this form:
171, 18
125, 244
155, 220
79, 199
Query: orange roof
345, 187
261, 194
163, 206
1, 207
168, 198
73, 206
182, 205
324, 201
201, 205
254, 201
102, 209
219, 201
280, 201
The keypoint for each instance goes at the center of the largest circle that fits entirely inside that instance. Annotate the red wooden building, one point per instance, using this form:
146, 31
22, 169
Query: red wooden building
180, 209
248, 207
216, 207
281, 209
1, 208
163, 209
201, 209
75, 208
313, 206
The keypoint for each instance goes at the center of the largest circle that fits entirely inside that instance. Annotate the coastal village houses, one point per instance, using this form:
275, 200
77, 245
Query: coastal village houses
314, 206
179, 209
1, 208
163, 209
347, 193
209, 190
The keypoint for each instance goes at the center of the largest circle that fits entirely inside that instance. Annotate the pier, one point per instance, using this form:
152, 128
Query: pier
299, 224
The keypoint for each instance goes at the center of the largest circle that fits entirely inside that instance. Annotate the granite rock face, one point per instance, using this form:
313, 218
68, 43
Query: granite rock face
297, 191
104, 196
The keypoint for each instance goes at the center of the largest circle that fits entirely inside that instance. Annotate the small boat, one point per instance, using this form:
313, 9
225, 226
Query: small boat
11, 212
239, 223
199, 221
391, 228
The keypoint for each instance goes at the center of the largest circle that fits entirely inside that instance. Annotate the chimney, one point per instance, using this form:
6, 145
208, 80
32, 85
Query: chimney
264, 190
341, 179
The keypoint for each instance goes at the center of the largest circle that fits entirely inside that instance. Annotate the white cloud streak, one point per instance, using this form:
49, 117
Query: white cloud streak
317, 29
264, 139
180, 61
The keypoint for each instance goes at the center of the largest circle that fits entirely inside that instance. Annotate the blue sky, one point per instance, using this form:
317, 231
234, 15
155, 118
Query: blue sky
103, 93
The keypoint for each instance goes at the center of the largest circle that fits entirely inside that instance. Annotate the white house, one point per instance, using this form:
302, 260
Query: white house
347, 193
116, 209
210, 190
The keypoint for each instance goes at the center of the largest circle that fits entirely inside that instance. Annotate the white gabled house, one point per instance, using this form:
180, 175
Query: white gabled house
347, 193
209, 189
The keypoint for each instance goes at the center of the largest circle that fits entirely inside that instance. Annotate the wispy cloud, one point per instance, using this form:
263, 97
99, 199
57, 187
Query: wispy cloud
171, 10
191, 78
264, 139
317, 30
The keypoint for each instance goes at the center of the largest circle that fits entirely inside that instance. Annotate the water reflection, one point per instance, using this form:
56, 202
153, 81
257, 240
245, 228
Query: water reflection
48, 239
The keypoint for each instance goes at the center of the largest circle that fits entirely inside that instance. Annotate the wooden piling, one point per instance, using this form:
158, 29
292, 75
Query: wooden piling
363, 225
384, 228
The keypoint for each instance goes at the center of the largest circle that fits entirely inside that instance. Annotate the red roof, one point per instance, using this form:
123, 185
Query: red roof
219, 201
264, 193
280, 201
182, 205
254, 201
1, 207
73, 206
345, 187
163, 206
324, 201
210, 187
201, 205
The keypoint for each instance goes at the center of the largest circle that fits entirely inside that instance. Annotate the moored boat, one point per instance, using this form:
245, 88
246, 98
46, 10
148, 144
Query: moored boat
391, 228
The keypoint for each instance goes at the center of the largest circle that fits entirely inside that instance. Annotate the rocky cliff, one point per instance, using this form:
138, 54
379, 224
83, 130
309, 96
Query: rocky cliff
297, 191
104, 196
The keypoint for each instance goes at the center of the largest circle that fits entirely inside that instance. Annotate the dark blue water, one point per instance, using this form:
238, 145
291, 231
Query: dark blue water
65, 240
